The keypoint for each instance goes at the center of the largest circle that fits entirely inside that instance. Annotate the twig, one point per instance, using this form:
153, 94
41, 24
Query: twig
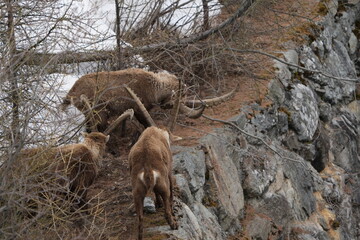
76, 57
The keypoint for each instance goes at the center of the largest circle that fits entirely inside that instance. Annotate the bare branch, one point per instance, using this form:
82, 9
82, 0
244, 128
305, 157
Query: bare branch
76, 57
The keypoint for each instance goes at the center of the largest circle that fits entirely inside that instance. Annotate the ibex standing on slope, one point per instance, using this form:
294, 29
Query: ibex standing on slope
150, 161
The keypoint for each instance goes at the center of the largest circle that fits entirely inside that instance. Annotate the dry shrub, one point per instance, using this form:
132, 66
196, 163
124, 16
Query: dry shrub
202, 64
36, 203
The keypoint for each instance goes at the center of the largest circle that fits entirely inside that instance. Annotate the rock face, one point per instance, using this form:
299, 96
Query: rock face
299, 177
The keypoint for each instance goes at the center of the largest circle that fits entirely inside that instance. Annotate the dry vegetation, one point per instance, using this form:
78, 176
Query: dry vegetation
212, 68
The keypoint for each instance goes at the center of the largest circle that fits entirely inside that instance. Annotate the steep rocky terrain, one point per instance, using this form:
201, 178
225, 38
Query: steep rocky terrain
287, 169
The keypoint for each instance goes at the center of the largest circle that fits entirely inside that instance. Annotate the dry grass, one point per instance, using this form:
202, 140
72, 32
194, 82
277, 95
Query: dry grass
37, 202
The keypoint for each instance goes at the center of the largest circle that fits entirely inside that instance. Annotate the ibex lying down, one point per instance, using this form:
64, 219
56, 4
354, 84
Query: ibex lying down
73, 165
150, 161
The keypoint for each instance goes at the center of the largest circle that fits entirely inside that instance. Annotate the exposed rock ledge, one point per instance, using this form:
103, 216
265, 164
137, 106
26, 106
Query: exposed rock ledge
308, 185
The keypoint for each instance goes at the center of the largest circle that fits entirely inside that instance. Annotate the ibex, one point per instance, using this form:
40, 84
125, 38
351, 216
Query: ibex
150, 161
73, 165
108, 97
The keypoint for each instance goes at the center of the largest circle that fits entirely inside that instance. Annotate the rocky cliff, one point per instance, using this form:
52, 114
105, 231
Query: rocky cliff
293, 170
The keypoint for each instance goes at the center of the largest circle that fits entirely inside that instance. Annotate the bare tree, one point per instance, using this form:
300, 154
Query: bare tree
10, 76
29, 117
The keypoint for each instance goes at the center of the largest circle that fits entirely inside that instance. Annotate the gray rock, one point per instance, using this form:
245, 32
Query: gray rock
191, 163
291, 56
282, 73
259, 228
308, 151
325, 111
189, 226
264, 121
149, 205
304, 111
253, 135
276, 207
259, 172
354, 108
322, 149
301, 177
224, 179
276, 91
353, 2
345, 141
209, 224
309, 231
336, 62
353, 41
283, 124
240, 120
318, 48
184, 190
332, 191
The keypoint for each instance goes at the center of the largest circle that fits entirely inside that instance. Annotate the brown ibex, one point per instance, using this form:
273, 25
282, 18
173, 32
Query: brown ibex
150, 161
72, 165
108, 97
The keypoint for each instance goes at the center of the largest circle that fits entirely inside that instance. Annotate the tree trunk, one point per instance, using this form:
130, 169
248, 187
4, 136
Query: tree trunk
206, 24
119, 55
10, 76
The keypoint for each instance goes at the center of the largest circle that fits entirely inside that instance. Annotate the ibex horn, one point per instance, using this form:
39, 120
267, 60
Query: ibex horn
192, 112
141, 106
212, 101
122, 117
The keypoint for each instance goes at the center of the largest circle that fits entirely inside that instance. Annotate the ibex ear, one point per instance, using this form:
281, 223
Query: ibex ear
84, 134
107, 138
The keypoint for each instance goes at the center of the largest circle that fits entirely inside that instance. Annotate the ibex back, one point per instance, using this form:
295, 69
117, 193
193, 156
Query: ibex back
150, 161
106, 92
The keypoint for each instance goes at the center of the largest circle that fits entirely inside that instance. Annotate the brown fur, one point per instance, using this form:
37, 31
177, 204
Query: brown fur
152, 153
74, 165
106, 91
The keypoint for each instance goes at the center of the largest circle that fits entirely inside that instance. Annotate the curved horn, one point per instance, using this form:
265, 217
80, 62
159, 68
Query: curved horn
122, 117
141, 107
89, 114
212, 101
192, 112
